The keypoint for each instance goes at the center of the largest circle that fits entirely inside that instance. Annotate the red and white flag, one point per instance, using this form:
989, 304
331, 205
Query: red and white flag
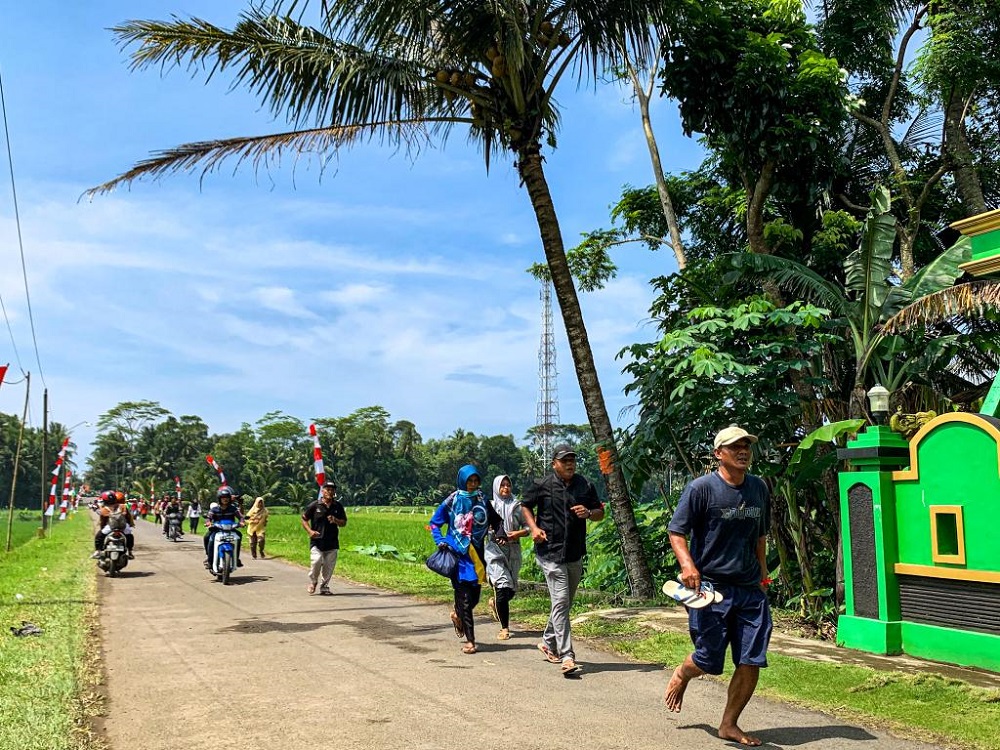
51, 509
317, 457
64, 505
177, 484
218, 469
3, 372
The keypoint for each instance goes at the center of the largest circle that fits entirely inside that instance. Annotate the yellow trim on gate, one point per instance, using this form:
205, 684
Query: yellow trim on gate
913, 473
936, 555
955, 574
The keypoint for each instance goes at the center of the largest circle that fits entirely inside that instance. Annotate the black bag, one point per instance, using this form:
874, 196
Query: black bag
444, 562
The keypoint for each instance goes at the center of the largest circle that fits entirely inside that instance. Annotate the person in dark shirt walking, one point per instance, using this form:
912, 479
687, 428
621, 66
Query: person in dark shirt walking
556, 510
322, 519
726, 514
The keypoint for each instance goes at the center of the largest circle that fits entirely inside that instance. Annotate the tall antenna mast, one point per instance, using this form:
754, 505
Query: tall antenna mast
547, 415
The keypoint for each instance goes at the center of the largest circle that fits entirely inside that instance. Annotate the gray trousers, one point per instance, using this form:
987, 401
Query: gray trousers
562, 580
321, 566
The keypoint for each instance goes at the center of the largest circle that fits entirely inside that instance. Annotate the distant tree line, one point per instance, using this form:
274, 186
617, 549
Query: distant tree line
141, 447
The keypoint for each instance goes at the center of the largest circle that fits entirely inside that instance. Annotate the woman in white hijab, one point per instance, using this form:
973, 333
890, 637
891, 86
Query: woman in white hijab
503, 561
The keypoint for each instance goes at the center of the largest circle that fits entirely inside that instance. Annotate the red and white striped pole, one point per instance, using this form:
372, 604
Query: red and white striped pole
218, 469
317, 457
51, 509
64, 505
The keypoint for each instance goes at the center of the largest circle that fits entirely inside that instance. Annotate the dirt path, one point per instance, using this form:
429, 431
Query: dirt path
260, 664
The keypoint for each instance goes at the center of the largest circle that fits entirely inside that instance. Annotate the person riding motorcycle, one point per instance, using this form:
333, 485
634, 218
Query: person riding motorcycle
173, 506
111, 505
225, 510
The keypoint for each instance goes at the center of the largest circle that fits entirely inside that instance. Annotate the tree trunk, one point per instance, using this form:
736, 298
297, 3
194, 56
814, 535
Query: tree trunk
755, 208
531, 172
654, 155
959, 154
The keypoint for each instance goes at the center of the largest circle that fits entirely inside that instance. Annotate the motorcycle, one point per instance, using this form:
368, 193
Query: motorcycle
114, 555
224, 545
173, 526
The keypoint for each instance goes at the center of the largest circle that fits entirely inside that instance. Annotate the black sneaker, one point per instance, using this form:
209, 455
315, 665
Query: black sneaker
131, 556
239, 563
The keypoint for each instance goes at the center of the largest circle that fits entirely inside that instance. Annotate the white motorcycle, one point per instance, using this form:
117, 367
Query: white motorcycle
223, 552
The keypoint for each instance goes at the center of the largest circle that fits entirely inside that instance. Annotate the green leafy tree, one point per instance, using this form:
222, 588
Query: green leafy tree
404, 73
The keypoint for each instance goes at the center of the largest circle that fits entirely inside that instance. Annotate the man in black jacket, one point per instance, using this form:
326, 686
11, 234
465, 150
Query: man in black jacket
556, 510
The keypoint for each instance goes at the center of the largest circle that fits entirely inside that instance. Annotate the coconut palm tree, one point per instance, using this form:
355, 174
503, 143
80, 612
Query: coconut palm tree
406, 72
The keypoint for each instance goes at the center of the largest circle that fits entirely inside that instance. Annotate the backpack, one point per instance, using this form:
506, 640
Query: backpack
116, 521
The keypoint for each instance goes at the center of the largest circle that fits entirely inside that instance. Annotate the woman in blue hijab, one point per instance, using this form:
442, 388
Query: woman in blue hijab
467, 515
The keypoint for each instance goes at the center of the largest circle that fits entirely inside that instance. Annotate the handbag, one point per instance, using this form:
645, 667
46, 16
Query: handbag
444, 562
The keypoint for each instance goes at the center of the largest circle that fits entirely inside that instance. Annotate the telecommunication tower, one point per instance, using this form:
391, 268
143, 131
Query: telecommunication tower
547, 415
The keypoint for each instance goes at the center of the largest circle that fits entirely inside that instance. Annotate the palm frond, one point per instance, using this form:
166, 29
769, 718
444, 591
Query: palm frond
792, 276
297, 71
966, 301
925, 130
259, 150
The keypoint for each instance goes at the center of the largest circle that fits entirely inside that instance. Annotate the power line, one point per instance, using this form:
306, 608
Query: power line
20, 243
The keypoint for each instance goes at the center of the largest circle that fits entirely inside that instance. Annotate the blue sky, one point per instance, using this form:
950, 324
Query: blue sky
380, 281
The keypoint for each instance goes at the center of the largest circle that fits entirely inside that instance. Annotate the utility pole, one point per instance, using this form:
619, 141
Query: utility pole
547, 413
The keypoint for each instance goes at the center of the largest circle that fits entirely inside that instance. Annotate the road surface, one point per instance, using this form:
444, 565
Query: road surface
260, 664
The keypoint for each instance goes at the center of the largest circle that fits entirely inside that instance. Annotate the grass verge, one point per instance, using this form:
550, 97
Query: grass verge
47, 682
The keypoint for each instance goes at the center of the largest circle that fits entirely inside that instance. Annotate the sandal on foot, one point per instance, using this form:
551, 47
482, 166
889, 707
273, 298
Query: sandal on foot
549, 656
569, 667
503, 635
456, 621
469, 648
493, 609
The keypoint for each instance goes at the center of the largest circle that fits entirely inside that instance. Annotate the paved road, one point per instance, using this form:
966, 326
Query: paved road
261, 665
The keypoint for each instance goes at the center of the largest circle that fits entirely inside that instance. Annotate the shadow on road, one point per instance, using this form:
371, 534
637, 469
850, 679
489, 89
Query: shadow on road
593, 667
785, 736
132, 574
805, 735
273, 626
242, 580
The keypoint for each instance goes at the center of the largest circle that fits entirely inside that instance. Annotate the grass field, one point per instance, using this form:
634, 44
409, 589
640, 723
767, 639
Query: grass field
24, 528
46, 680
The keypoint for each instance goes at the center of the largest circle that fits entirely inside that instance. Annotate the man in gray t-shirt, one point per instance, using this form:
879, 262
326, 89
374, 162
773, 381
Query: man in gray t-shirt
726, 515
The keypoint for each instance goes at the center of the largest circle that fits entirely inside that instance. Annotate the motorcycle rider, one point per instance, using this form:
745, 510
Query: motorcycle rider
173, 506
111, 505
227, 510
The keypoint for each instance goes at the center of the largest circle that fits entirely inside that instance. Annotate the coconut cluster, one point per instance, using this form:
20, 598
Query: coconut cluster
474, 85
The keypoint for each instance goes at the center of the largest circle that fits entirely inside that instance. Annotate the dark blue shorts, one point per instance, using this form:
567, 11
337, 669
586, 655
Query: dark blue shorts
742, 621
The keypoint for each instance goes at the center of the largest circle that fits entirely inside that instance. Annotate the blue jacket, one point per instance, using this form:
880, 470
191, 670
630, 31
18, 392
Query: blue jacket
467, 516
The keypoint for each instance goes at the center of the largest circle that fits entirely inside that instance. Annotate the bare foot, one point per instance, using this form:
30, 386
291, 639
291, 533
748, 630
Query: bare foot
673, 696
735, 734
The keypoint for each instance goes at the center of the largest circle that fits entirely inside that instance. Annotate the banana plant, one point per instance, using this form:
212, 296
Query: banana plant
872, 293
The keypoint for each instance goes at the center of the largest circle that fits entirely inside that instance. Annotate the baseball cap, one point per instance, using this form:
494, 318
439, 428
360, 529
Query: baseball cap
730, 435
330, 483
562, 450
